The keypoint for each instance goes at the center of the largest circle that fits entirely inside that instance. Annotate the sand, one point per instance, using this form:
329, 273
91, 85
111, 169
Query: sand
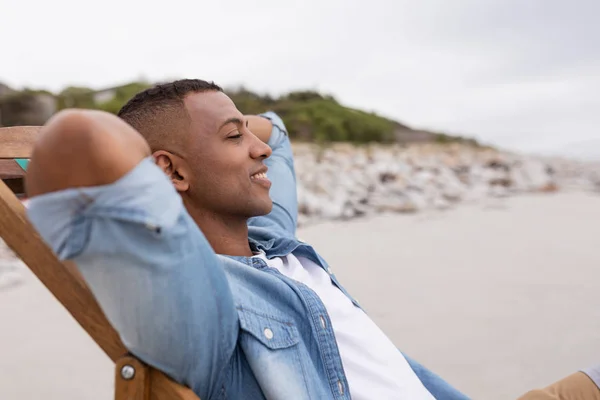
496, 298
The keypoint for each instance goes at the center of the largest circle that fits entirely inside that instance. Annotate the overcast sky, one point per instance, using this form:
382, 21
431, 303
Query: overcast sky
522, 74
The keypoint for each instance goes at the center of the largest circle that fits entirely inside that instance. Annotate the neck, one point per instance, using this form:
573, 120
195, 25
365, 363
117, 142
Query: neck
226, 235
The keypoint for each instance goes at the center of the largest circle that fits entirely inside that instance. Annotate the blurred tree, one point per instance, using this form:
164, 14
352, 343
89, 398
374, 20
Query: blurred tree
120, 96
308, 115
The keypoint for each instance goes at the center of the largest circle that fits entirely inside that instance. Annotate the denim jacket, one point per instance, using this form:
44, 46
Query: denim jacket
228, 327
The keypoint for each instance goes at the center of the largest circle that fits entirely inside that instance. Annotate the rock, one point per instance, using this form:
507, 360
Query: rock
344, 182
549, 188
531, 175
400, 204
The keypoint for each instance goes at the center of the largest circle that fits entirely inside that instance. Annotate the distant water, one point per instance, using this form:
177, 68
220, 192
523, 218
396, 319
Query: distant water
584, 150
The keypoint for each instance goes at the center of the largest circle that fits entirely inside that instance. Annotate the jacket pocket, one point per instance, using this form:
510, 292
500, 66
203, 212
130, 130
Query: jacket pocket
271, 346
274, 333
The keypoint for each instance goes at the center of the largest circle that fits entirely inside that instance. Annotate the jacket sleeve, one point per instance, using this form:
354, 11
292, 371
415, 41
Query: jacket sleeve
282, 174
151, 269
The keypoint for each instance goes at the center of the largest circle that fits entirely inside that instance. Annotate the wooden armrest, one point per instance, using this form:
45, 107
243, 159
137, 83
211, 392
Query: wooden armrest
17, 141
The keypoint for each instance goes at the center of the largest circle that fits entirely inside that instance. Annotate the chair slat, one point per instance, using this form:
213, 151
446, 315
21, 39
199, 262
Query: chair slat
163, 388
9, 169
17, 141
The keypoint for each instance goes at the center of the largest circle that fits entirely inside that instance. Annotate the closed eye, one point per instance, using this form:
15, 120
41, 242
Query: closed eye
238, 136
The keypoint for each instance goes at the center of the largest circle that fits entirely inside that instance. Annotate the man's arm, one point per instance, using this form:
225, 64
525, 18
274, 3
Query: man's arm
260, 126
82, 148
270, 128
98, 199
577, 386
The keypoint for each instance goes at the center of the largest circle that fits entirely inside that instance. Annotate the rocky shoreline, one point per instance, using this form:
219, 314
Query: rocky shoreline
342, 181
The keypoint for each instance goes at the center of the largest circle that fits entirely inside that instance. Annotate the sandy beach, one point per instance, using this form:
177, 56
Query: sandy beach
498, 298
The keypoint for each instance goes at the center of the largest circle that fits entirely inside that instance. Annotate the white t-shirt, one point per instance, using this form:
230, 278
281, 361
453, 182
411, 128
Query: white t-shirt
374, 367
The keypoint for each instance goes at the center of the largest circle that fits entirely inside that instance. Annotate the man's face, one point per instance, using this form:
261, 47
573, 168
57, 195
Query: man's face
224, 158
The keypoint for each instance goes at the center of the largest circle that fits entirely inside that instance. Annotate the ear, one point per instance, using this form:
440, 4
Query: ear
175, 168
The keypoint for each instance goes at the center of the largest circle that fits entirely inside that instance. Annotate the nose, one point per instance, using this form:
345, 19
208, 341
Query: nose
260, 149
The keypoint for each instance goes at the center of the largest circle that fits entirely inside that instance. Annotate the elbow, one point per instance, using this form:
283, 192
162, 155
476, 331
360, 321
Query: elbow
82, 148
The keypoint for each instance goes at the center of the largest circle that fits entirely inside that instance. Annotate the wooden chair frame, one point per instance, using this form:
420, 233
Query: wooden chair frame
133, 379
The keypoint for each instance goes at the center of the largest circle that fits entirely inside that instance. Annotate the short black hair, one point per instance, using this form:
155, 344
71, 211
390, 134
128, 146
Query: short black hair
157, 112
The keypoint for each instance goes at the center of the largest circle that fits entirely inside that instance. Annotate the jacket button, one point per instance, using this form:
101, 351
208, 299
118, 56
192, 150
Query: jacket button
268, 333
341, 387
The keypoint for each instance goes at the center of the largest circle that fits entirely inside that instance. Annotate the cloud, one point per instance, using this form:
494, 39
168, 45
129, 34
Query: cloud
520, 74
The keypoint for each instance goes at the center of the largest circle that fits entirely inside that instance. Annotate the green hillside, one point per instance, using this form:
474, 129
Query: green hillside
309, 116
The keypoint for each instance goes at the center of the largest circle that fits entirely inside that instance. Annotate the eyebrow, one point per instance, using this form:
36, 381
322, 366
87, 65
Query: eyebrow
233, 120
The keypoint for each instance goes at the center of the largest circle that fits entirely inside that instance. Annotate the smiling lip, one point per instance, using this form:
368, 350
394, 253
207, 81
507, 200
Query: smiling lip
260, 178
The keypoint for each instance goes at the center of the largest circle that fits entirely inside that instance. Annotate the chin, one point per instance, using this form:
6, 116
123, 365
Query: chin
263, 209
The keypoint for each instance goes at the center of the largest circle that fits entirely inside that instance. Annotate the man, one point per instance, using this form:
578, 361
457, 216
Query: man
183, 221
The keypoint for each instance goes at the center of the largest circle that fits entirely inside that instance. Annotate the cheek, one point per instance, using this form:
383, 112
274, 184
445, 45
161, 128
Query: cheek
223, 177
224, 170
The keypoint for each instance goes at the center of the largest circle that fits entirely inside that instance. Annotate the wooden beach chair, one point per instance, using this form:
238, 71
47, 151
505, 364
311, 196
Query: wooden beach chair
133, 379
